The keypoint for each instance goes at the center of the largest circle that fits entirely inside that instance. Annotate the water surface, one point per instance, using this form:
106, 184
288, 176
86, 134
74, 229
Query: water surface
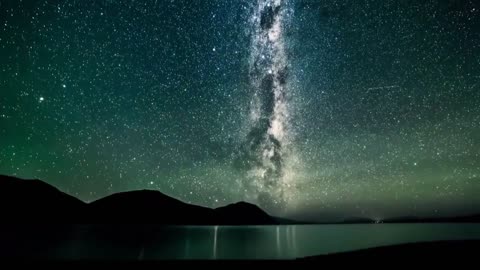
238, 242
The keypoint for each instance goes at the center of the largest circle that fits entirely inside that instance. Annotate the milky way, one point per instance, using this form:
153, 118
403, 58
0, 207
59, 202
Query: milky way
266, 151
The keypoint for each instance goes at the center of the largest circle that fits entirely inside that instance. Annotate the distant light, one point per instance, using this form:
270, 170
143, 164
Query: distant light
214, 49
41, 99
378, 220
151, 182
64, 85
415, 164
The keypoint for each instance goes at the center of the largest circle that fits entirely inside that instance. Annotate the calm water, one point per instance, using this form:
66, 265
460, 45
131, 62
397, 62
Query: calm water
245, 242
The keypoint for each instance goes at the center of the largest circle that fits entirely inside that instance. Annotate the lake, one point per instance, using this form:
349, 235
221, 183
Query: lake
133, 242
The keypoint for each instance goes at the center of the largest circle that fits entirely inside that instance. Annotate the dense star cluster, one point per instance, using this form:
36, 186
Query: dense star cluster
266, 153
370, 107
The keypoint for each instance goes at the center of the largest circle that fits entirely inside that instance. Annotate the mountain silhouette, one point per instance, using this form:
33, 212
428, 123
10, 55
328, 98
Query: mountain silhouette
146, 206
413, 219
356, 220
36, 201
235, 213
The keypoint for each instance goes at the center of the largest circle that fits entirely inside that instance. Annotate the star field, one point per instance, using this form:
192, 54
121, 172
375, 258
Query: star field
106, 96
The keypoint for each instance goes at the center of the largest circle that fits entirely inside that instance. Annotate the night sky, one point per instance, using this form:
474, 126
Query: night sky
306, 107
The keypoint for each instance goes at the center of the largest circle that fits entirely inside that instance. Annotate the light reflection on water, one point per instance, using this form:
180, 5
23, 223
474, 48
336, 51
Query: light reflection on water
134, 242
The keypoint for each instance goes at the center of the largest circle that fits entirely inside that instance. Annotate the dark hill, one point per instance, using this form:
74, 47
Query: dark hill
461, 219
357, 220
36, 201
244, 214
148, 206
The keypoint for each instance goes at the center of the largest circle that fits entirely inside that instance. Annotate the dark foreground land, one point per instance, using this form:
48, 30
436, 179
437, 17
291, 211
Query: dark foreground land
441, 251
446, 253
